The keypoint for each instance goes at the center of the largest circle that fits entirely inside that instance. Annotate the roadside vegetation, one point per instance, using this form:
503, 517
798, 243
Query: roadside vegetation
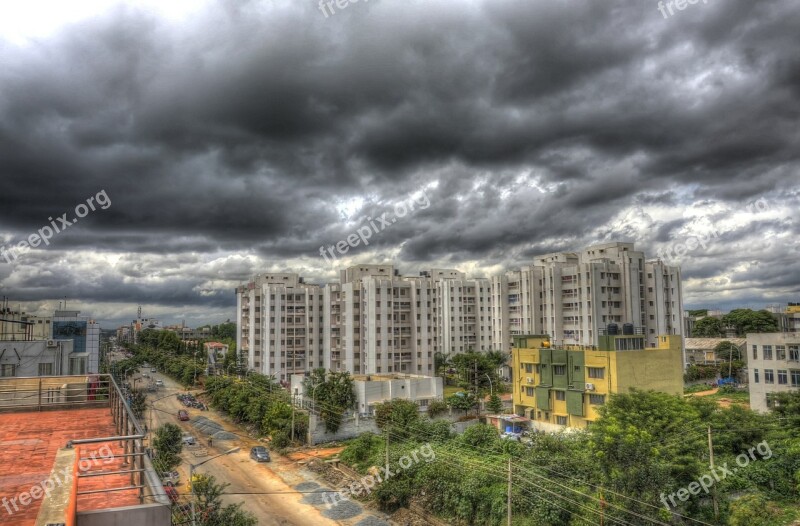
644, 446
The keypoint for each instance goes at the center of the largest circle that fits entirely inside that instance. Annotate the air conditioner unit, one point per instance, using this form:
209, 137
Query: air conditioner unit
51, 343
529, 380
590, 387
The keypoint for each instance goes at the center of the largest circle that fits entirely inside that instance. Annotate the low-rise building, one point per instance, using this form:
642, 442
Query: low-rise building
773, 366
85, 335
560, 388
40, 358
375, 389
701, 351
215, 351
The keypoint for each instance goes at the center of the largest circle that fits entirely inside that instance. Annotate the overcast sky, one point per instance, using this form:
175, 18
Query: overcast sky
236, 137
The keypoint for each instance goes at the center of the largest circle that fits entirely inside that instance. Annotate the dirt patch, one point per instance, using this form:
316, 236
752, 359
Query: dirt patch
705, 393
314, 453
407, 517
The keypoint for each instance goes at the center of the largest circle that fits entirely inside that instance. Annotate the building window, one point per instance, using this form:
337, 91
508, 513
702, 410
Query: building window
780, 352
529, 391
795, 375
45, 369
528, 368
560, 369
77, 365
768, 352
561, 395
769, 376
597, 399
794, 353
755, 376
783, 377
561, 420
8, 370
595, 372
755, 352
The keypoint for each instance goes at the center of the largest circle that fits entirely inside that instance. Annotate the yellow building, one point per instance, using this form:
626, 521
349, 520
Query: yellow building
559, 388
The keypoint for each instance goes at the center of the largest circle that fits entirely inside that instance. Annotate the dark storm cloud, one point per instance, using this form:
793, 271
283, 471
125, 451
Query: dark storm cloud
248, 128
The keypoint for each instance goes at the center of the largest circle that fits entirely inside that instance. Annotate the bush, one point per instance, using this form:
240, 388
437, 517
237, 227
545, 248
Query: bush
280, 439
436, 408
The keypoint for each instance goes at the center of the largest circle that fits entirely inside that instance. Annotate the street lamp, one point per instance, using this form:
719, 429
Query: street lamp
491, 389
191, 476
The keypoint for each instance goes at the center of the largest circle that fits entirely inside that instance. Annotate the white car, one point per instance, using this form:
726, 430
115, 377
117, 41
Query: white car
189, 440
159, 383
511, 436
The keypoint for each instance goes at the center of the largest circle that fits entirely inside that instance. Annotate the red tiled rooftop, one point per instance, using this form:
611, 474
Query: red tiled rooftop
28, 445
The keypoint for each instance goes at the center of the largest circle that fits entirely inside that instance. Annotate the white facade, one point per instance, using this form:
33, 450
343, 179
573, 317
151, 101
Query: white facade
574, 296
773, 365
40, 358
372, 390
279, 324
375, 321
85, 333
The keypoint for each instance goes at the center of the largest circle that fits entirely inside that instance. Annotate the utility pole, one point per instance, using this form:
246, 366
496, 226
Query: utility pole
387, 448
293, 401
711, 462
602, 508
508, 504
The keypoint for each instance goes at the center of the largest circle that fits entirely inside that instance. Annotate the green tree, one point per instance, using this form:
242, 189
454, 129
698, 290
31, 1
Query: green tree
462, 401
494, 405
168, 444
480, 436
634, 443
478, 370
748, 320
209, 509
708, 327
727, 350
400, 417
224, 331
333, 393
436, 408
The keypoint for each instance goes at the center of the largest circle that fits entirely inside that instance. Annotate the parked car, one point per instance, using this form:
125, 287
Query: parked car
159, 383
260, 454
188, 440
511, 436
171, 492
183, 416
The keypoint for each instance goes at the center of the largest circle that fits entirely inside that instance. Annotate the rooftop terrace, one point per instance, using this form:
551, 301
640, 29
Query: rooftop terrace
69, 446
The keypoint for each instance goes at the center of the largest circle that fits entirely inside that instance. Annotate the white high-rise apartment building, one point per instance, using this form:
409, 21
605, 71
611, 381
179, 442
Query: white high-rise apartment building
372, 321
279, 324
376, 321
574, 296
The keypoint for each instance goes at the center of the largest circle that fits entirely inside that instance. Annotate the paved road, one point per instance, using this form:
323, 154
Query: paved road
266, 492
280, 507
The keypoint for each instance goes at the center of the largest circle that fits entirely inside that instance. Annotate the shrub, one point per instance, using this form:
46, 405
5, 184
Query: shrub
436, 408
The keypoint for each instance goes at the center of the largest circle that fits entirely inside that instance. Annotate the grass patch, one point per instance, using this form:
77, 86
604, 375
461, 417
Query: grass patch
450, 390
